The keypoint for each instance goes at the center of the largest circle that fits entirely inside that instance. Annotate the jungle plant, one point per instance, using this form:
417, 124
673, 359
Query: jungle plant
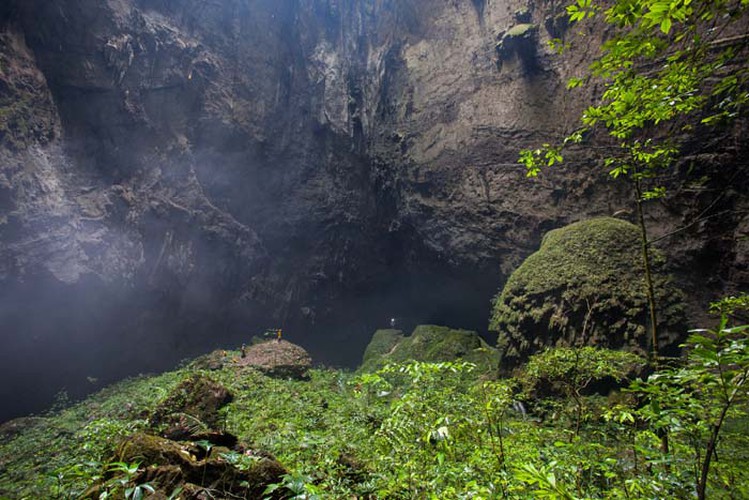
126, 475
668, 68
299, 486
544, 482
497, 399
431, 413
734, 308
207, 446
571, 370
241, 461
694, 401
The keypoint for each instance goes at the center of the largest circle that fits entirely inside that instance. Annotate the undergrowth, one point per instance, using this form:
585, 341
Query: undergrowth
420, 431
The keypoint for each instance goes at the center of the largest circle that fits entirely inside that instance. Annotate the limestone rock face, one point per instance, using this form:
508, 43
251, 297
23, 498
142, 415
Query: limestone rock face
429, 343
173, 173
586, 286
278, 358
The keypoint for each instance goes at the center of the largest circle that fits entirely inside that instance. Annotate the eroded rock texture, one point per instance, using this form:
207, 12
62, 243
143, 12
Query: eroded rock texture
176, 174
586, 287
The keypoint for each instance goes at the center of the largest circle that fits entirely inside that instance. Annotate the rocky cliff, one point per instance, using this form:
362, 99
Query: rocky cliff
177, 173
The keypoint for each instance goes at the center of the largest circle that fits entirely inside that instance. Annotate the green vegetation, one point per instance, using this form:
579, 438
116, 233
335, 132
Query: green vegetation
670, 71
584, 286
430, 343
424, 430
569, 372
666, 68
520, 30
26, 114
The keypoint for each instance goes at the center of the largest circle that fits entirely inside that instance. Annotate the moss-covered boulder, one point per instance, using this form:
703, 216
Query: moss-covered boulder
191, 409
585, 286
428, 343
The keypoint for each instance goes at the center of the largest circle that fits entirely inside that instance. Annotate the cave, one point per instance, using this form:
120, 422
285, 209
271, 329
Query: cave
181, 175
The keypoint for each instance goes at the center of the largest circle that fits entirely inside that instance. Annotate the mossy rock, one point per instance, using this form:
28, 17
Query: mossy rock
213, 361
521, 30
429, 343
520, 41
585, 286
381, 346
191, 408
198, 472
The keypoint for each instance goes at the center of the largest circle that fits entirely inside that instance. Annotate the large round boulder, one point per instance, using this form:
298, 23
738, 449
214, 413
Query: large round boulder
586, 286
277, 358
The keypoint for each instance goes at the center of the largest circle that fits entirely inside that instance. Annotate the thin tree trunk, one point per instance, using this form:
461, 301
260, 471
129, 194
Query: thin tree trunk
663, 434
709, 452
648, 273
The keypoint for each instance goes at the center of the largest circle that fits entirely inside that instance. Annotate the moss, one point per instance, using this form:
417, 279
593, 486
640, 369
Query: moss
520, 30
27, 113
168, 465
584, 286
428, 343
383, 341
192, 405
146, 448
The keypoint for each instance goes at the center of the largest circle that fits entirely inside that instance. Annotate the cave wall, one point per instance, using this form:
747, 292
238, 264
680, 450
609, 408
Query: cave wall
176, 175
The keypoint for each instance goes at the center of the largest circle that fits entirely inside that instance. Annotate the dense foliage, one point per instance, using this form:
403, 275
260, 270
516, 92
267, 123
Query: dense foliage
667, 68
437, 430
670, 71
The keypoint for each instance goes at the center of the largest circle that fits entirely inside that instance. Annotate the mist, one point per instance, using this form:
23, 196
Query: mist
178, 176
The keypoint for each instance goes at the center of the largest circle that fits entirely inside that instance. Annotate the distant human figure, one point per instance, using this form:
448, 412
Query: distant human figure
278, 335
392, 322
244, 350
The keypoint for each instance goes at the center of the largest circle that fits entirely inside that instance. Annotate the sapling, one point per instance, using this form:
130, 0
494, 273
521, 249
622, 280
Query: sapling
696, 399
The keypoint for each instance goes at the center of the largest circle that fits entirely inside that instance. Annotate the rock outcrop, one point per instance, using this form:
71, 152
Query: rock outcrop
585, 286
193, 470
277, 358
174, 172
187, 452
429, 343
191, 409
